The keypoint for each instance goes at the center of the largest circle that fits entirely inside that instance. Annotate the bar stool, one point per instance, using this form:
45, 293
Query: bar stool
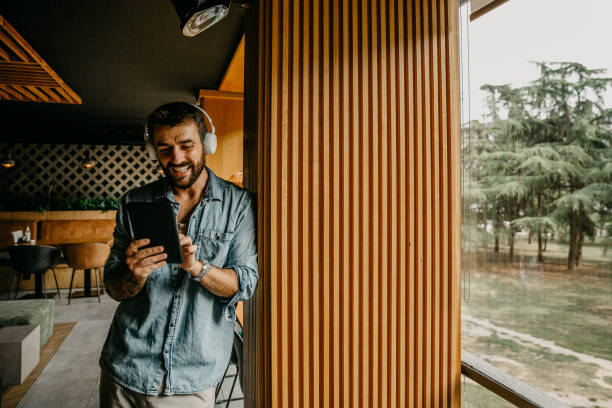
86, 256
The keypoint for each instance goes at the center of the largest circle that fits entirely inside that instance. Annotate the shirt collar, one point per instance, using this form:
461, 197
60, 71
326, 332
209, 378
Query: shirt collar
212, 191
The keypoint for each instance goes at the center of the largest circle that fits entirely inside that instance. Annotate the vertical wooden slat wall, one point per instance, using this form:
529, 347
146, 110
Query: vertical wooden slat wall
357, 176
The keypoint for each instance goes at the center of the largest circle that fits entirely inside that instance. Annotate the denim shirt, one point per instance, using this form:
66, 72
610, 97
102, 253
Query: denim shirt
175, 327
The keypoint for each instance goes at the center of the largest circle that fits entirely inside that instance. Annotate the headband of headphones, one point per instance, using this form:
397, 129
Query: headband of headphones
209, 140
147, 136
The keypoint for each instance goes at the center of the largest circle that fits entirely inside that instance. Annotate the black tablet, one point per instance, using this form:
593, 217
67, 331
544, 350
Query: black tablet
156, 221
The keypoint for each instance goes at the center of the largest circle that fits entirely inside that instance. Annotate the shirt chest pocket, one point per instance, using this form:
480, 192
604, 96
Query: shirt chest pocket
214, 246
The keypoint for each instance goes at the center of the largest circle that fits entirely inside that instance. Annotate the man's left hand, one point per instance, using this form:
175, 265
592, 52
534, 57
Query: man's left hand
188, 248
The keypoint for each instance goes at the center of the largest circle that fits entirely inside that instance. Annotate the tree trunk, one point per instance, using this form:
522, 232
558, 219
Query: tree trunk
529, 237
497, 228
574, 240
545, 242
511, 245
571, 254
540, 246
579, 249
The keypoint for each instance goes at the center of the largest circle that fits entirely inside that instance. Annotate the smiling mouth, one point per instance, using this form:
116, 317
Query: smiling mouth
180, 170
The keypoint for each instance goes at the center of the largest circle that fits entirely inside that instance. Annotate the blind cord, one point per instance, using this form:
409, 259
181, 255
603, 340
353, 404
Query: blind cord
466, 148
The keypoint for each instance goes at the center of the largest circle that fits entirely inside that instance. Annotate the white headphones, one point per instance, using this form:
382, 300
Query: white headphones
209, 141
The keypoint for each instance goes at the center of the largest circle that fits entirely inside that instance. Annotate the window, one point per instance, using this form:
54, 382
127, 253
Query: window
537, 197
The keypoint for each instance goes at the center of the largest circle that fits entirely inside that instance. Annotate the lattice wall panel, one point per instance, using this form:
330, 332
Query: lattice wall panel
44, 167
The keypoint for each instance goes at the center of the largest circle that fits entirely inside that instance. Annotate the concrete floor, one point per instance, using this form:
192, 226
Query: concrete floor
71, 378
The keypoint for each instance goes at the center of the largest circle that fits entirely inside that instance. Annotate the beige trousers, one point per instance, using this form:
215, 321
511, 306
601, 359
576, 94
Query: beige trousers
113, 395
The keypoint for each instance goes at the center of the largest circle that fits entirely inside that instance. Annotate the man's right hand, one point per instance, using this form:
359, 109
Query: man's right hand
142, 262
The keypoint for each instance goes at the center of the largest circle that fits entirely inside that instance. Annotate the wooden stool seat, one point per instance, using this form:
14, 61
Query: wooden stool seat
86, 256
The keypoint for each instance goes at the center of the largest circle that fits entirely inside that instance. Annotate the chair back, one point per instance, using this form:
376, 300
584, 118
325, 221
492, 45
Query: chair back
29, 259
87, 255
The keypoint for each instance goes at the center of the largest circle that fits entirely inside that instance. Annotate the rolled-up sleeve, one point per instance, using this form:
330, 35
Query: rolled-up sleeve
242, 257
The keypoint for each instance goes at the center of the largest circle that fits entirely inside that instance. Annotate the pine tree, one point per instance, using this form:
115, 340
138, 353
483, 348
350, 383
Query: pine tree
545, 158
568, 99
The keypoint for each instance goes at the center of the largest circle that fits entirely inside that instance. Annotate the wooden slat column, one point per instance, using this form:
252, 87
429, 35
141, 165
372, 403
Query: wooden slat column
352, 144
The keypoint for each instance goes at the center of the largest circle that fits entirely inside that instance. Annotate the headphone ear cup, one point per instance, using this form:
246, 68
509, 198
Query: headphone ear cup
151, 151
210, 143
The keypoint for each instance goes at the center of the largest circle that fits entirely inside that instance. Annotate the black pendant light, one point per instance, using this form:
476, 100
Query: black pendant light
8, 162
197, 15
89, 162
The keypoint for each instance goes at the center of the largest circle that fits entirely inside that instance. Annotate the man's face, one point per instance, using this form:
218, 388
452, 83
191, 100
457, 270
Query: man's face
180, 152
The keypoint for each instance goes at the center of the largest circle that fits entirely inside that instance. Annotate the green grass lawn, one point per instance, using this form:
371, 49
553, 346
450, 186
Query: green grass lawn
475, 396
542, 300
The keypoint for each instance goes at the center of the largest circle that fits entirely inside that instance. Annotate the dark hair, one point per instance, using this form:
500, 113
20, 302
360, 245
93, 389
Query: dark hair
173, 114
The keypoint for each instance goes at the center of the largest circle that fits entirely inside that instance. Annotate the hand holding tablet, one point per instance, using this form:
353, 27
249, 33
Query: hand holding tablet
156, 222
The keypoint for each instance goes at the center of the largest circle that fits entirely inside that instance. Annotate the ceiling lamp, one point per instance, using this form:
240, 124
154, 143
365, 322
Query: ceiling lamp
197, 15
88, 163
8, 163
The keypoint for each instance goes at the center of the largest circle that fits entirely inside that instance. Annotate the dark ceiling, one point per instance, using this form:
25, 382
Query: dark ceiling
122, 57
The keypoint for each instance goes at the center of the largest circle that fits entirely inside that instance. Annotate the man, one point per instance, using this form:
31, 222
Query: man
171, 337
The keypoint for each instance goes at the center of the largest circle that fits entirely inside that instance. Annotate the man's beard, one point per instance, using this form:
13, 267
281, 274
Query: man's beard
196, 170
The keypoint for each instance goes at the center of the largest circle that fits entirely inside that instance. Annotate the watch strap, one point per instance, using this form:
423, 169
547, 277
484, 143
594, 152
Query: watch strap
205, 268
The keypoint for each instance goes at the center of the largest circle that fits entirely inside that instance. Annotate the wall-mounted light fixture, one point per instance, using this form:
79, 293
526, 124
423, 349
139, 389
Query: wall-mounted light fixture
197, 15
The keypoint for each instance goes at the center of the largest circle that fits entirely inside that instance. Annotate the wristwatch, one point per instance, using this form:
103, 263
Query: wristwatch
205, 268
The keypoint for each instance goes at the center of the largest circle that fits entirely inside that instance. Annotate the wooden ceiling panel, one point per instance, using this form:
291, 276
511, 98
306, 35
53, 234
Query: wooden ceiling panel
233, 80
482, 7
25, 76
232, 85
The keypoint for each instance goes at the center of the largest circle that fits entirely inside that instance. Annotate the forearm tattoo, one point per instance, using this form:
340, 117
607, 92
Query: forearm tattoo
123, 285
